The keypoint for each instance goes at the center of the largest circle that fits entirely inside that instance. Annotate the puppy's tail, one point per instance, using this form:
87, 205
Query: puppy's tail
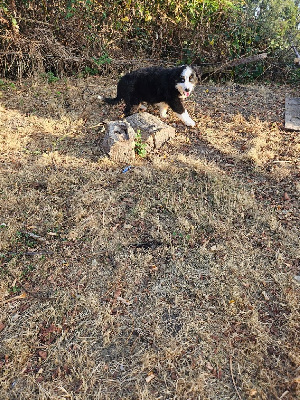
110, 100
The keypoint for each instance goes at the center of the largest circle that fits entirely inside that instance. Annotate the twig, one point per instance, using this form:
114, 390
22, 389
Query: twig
282, 161
35, 237
295, 51
30, 253
284, 394
95, 126
20, 297
232, 377
35, 21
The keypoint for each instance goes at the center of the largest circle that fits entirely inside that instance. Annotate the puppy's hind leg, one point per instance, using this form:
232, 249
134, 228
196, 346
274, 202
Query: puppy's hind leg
163, 108
127, 109
129, 104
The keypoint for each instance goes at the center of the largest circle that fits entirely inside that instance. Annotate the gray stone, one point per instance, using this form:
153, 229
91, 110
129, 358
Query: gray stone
292, 113
119, 141
154, 132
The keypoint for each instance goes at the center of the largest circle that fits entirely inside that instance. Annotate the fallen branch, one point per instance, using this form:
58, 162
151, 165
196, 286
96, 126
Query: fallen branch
30, 253
232, 378
230, 64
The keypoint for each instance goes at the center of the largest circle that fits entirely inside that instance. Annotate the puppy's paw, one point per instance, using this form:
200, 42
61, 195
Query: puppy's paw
163, 109
184, 117
190, 122
164, 115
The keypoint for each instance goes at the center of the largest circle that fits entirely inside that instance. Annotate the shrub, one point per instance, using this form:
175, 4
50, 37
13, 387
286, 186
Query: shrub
67, 36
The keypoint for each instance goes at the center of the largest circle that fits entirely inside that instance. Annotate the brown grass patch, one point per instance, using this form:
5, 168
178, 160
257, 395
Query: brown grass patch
174, 280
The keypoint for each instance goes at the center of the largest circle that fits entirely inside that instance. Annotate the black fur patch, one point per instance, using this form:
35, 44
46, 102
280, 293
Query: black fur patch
152, 85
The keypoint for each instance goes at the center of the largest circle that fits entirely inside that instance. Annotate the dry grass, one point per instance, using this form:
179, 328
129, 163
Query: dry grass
174, 280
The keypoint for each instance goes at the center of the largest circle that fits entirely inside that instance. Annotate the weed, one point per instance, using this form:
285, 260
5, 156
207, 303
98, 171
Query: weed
140, 147
3, 226
90, 71
15, 289
50, 77
102, 60
26, 239
6, 85
27, 270
294, 76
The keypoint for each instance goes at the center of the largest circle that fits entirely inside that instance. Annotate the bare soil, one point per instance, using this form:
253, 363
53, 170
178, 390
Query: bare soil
178, 279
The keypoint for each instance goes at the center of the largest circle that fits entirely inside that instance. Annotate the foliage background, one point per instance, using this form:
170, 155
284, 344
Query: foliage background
71, 36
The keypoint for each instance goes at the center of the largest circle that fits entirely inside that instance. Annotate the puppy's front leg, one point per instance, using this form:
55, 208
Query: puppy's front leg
184, 117
182, 113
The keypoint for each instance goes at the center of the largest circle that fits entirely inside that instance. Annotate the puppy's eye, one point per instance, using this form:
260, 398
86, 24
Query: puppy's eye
182, 80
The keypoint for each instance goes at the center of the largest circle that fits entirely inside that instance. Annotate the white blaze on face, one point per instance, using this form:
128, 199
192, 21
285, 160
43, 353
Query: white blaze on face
185, 86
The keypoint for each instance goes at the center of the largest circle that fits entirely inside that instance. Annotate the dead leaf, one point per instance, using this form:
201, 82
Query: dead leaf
297, 379
48, 334
286, 197
209, 366
43, 354
266, 297
117, 293
174, 376
150, 377
253, 392
2, 326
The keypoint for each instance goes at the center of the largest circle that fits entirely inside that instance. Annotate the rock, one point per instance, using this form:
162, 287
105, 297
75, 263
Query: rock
292, 113
118, 141
153, 131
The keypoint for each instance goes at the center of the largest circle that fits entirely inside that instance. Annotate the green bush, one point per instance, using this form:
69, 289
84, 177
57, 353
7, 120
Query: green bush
65, 36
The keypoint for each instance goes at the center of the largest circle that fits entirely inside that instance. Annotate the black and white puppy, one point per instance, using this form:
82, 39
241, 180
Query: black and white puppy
166, 87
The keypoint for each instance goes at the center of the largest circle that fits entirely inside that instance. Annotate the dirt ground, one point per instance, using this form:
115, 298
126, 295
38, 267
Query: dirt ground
178, 279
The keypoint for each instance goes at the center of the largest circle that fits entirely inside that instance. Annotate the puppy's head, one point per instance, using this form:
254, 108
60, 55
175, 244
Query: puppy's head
186, 81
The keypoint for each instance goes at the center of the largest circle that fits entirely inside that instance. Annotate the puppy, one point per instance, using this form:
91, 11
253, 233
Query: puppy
166, 87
